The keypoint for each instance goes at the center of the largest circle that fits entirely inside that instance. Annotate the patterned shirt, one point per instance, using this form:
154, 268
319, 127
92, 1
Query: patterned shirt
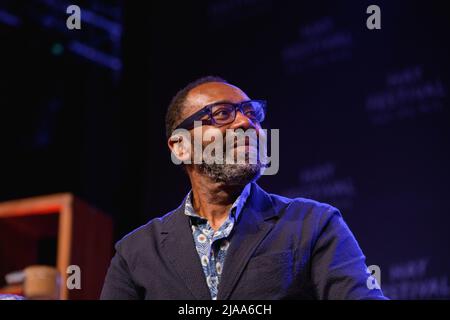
212, 245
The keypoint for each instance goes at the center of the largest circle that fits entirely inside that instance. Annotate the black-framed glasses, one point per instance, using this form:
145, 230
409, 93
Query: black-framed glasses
222, 113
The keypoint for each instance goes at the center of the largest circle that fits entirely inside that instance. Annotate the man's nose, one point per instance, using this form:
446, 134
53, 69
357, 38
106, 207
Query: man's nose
242, 122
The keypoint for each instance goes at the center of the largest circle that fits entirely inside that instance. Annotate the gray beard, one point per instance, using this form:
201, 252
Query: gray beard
232, 174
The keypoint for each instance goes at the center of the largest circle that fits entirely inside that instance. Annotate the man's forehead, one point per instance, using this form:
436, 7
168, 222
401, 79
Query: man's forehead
211, 92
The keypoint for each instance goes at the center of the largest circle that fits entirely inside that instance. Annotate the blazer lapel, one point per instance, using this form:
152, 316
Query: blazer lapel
178, 244
248, 234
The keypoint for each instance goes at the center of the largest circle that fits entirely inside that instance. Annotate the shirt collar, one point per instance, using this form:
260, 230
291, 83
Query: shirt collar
235, 210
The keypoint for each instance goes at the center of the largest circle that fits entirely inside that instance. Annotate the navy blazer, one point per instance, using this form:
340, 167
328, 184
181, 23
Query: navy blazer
280, 249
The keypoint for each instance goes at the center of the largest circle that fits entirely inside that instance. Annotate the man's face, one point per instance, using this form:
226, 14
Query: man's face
231, 174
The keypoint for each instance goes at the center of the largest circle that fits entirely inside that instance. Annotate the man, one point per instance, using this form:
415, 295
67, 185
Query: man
229, 239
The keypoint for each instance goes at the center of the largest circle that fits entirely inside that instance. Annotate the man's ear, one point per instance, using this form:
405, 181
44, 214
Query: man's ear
180, 148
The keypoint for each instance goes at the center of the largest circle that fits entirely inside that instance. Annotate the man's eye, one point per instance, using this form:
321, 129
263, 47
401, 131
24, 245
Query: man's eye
221, 113
250, 114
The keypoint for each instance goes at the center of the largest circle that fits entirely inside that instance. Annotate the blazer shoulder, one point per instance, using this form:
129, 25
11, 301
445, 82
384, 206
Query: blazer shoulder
145, 234
304, 205
312, 216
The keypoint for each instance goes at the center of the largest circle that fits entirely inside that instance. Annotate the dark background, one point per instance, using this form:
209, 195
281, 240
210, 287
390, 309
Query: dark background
363, 114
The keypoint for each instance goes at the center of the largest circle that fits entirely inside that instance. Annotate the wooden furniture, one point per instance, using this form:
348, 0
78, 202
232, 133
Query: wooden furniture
58, 229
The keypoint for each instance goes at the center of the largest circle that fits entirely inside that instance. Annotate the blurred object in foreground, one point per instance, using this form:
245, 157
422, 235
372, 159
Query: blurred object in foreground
55, 239
42, 283
37, 282
11, 297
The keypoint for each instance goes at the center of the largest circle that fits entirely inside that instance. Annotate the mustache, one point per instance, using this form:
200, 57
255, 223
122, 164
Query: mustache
237, 142
249, 141
246, 144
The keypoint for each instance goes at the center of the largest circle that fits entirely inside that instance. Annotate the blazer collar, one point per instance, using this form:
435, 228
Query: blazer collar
250, 231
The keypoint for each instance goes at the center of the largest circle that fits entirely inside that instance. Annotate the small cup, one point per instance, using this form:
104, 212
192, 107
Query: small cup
42, 283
